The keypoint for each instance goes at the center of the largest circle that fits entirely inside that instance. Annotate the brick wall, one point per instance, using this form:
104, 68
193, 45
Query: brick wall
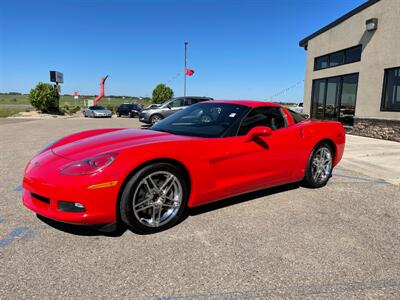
377, 128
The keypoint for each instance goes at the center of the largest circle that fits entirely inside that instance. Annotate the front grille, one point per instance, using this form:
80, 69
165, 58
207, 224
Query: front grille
40, 198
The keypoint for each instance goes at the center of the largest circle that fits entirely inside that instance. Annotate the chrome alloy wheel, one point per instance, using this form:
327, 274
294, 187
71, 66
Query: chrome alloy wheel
321, 165
154, 119
157, 199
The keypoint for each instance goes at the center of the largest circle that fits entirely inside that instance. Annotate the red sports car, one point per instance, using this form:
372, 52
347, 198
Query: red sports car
207, 152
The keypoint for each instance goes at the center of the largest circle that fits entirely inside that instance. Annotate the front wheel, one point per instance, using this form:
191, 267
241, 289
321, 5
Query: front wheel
319, 167
155, 118
154, 199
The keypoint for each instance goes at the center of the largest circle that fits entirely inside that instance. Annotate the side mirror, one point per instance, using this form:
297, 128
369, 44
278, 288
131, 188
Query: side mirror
258, 131
169, 106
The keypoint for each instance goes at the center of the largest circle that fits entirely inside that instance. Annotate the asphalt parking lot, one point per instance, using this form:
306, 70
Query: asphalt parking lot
341, 241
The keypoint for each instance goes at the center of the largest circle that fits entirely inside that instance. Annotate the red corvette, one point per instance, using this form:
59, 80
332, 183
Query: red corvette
209, 151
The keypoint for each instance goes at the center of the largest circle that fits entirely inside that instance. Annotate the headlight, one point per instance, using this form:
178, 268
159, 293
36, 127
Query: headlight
90, 165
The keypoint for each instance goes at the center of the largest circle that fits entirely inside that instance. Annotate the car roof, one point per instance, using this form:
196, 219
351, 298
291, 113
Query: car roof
250, 103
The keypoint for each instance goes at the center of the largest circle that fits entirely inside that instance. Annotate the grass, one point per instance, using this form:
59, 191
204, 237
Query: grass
13, 104
10, 110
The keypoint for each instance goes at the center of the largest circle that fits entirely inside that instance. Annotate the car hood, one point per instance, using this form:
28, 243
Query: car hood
113, 141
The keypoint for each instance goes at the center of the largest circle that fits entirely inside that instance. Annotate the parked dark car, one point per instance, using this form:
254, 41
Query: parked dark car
153, 115
130, 110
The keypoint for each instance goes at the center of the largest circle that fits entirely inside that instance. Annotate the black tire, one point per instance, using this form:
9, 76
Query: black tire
155, 118
118, 115
310, 179
130, 115
126, 204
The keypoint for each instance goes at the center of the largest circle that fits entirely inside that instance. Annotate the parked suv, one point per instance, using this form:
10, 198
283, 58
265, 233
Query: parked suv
153, 115
127, 109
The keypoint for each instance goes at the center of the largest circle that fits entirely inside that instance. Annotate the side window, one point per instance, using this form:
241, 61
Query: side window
264, 116
296, 116
189, 101
176, 103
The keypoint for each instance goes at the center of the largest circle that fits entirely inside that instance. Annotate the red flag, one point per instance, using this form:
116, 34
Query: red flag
189, 72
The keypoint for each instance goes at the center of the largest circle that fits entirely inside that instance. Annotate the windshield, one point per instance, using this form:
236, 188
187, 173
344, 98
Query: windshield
202, 120
96, 107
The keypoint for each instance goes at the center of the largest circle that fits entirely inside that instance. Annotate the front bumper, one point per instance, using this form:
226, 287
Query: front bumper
44, 187
102, 116
144, 118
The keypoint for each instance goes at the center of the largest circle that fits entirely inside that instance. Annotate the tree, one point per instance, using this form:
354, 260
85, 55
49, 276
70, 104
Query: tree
162, 93
44, 97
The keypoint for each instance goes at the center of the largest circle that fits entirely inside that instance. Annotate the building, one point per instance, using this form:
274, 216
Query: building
353, 70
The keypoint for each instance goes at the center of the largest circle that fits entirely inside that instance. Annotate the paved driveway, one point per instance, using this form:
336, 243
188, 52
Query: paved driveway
341, 241
373, 157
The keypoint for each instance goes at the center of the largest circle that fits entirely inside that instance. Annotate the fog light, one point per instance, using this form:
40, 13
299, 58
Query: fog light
70, 206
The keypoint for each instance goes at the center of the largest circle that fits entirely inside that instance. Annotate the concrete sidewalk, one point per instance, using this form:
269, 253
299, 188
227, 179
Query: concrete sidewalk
372, 157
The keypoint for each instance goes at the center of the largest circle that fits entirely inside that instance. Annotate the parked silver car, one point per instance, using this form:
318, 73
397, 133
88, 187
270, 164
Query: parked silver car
97, 111
299, 108
153, 115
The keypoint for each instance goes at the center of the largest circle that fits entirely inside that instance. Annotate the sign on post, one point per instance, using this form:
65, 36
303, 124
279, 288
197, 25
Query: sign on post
56, 77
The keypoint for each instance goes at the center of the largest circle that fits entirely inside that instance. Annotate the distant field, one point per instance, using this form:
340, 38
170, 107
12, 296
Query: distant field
13, 104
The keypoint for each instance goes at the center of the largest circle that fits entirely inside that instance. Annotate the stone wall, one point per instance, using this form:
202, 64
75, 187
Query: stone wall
377, 128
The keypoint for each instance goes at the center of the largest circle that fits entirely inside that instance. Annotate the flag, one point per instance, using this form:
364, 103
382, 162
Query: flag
189, 72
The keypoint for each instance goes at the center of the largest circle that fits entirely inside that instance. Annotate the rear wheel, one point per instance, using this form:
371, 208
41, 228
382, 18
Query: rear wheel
154, 199
130, 115
320, 165
118, 115
155, 118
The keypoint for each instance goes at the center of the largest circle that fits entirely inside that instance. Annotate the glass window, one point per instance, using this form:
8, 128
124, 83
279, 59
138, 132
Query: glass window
176, 103
96, 107
353, 54
318, 96
264, 116
190, 101
203, 120
348, 99
321, 62
336, 59
391, 90
331, 97
334, 98
296, 116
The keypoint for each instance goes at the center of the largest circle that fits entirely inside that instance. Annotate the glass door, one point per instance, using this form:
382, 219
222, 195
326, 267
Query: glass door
332, 91
348, 99
318, 98
334, 98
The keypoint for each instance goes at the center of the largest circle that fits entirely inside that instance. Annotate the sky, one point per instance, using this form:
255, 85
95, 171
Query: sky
239, 49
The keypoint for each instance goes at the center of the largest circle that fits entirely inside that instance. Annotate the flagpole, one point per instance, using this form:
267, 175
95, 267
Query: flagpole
184, 72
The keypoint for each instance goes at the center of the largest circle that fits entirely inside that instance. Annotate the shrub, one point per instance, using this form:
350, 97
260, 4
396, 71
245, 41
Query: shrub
111, 108
75, 109
44, 97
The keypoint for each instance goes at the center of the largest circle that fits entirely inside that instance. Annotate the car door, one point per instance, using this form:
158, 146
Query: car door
240, 166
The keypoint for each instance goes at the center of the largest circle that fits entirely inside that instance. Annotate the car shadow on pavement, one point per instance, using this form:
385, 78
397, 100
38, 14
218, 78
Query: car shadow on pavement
115, 231
242, 198
119, 228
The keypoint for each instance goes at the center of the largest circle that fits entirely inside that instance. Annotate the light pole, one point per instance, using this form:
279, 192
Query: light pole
184, 71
